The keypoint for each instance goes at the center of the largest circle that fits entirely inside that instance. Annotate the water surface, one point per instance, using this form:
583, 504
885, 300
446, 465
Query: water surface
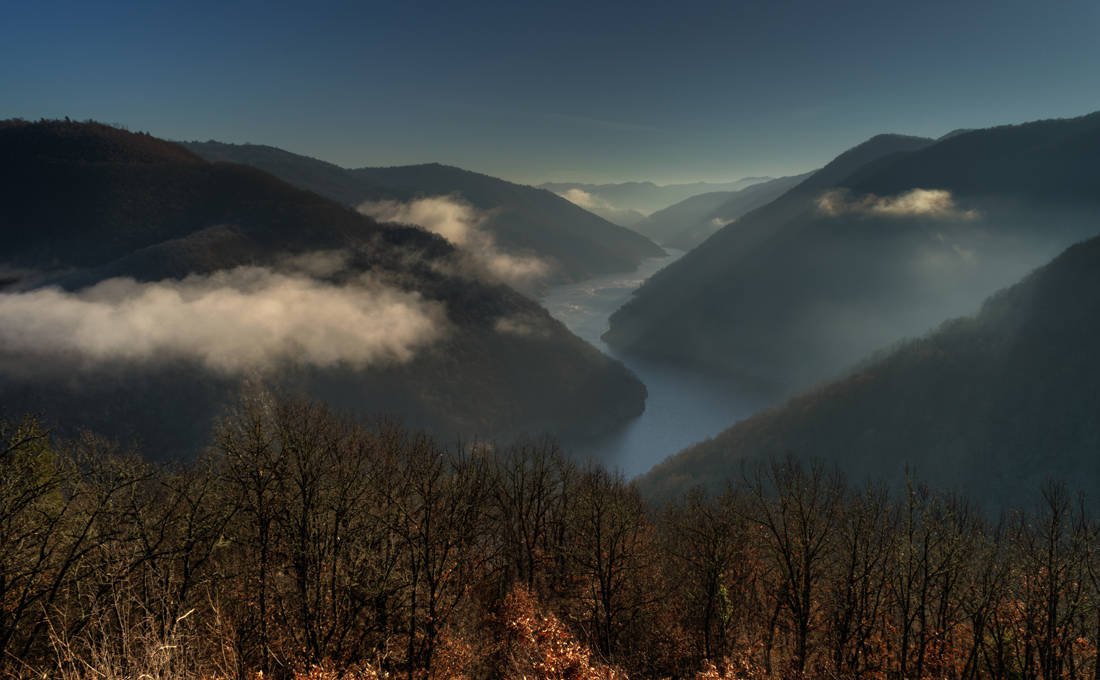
683, 406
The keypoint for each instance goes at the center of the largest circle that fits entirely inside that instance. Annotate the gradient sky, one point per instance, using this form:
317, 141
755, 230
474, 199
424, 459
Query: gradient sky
668, 91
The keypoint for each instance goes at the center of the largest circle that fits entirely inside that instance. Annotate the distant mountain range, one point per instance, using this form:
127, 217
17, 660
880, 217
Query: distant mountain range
574, 243
884, 242
144, 287
993, 404
633, 200
688, 223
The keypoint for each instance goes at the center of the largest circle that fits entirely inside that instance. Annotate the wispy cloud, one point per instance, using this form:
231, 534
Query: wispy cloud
523, 325
585, 200
602, 207
243, 319
934, 203
463, 225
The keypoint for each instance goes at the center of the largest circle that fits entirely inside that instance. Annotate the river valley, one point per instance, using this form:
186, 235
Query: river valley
683, 407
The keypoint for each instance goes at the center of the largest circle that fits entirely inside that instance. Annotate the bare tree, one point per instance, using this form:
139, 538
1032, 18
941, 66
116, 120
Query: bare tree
438, 520
856, 588
529, 482
612, 549
799, 509
708, 541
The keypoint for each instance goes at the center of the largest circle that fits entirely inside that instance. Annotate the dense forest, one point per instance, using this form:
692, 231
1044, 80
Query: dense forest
575, 243
991, 404
307, 545
94, 215
884, 242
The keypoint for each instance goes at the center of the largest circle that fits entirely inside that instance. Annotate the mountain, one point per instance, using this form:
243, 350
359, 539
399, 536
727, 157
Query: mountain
667, 223
624, 217
145, 287
688, 223
523, 221
884, 242
993, 403
643, 197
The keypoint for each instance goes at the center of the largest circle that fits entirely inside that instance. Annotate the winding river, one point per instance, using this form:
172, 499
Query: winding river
683, 407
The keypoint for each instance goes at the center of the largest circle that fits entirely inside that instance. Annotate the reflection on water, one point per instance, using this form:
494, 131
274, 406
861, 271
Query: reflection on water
683, 407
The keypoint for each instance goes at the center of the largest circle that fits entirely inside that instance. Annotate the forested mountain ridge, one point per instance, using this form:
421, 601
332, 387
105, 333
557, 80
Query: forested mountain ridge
648, 197
883, 243
106, 229
688, 223
993, 404
79, 195
575, 243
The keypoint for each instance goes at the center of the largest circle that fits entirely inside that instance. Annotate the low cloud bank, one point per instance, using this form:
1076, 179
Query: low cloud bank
934, 203
462, 225
524, 325
244, 319
585, 200
602, 207
319, 263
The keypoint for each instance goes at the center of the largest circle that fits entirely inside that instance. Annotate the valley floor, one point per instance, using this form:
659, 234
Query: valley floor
683, 406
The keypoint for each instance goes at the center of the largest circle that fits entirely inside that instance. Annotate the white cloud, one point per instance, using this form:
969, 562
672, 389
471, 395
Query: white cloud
462, 225
601, 206
319, 263
526, 325
248, 318
453, 219
584, 199
934, 203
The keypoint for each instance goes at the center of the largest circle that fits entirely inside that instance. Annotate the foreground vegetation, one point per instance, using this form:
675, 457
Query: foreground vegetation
308, 545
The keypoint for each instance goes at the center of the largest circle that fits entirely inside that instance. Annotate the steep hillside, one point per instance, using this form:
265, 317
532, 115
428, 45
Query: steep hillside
524, 221
145, 286
83, 195
994, 403
690, 222
527, 219
666, 223
886, 241
646, 197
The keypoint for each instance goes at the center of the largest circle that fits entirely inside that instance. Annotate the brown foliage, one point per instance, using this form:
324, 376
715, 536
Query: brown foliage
308, 546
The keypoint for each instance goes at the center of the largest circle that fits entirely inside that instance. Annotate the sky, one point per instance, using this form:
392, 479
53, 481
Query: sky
538, 91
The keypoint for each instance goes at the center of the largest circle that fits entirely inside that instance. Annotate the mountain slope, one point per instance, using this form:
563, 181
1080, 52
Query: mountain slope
993, 403
523, 220
84, 204
884, 242
689, 222
666, 223
647, 197
529, 219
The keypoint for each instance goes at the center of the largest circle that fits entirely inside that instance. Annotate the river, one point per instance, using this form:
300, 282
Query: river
683, 406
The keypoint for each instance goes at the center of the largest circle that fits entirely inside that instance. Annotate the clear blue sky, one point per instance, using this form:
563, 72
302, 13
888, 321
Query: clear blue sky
533, 91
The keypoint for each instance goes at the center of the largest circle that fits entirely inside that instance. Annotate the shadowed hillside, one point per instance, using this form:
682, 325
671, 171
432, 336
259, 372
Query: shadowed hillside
526, 221
995, 403
890, 238
421, 333
689, 222
647, 197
